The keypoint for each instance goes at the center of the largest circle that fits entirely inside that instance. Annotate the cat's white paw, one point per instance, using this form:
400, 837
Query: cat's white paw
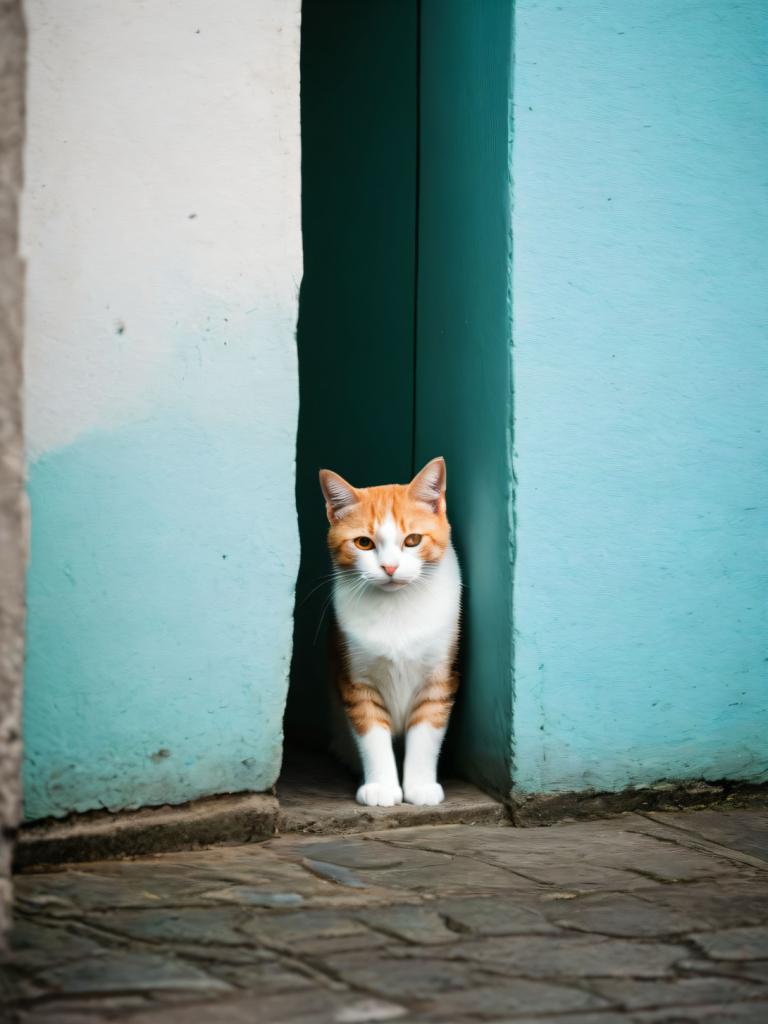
425, 793
378, 794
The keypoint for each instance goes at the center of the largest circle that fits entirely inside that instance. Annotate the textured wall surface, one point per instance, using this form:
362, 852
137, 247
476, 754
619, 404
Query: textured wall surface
162, 233
12, 502
641, 385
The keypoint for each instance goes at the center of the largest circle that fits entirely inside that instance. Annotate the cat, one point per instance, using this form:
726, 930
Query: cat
396, 598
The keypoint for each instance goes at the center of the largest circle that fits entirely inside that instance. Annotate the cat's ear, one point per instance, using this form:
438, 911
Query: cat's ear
339, 495
429, 485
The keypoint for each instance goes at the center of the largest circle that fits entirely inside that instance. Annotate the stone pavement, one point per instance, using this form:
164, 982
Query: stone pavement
642, 918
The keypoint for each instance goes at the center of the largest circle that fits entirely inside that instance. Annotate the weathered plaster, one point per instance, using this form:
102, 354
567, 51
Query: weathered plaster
162, 230
12, 501
641, 373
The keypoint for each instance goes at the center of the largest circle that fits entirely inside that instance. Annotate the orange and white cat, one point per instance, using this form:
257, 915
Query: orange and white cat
396, 595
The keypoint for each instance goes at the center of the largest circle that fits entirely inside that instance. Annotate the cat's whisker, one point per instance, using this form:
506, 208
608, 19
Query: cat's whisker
325, 607
360, 590
327, 580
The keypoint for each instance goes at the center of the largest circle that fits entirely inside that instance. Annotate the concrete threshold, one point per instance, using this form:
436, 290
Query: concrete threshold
101, 835
315, 796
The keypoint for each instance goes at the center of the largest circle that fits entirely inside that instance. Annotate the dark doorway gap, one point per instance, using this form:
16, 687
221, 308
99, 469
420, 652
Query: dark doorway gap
416, 200
358, 311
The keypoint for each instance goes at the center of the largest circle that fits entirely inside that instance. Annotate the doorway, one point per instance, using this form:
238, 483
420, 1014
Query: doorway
403, 332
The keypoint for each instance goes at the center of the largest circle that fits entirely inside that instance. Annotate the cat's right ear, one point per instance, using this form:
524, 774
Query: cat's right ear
339, 495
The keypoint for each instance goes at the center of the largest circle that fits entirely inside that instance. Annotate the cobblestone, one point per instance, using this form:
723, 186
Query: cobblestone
735, 944
644, 919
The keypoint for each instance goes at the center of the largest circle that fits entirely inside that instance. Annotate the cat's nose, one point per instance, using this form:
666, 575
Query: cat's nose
389, 569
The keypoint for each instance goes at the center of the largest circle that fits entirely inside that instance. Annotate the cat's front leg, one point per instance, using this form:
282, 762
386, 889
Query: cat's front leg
424, 738
372, 729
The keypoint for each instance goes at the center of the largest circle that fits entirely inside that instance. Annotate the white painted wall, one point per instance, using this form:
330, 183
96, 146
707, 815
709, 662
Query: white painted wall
161, 227
162, 186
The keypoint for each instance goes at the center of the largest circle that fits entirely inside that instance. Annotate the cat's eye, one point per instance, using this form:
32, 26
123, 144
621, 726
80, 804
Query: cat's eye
364, 543
413, 540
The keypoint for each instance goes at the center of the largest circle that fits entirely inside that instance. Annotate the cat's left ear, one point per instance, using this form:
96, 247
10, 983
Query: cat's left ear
339, 495
429, 485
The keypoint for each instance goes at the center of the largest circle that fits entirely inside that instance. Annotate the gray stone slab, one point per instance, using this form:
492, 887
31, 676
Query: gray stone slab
739, 838
456, 877
751, 970
579, 1018
745, 830
411, 979
628, 915
285, 870
335, 873
125, 971
735, 943
258, 974
371, 941
212, 926
497, 915
252, 896
92, 1010
728, 1013
540, 956
394, 867
416, 925
292, 929
68, 893
495, 1002
185, 879
314, 1006
571, 877
632, 994
573, 856
36, 943
728, 902
357, 853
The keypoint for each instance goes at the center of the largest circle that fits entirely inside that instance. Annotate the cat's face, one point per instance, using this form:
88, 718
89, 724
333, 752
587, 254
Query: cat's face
389, 536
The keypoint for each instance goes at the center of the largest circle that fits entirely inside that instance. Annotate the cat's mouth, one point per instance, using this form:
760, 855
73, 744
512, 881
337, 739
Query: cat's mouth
394, 584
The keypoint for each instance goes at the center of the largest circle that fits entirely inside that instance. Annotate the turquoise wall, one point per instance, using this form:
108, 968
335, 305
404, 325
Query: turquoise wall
640, 292
160, 591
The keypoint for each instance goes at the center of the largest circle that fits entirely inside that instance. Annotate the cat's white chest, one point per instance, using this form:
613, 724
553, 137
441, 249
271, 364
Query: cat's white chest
394, 641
